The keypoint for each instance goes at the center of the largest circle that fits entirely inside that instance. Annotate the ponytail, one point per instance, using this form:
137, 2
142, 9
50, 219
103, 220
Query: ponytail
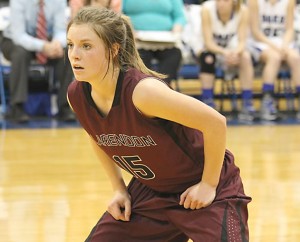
129, 55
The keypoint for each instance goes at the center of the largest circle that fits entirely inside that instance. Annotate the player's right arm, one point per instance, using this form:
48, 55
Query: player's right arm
243, 29
209, 41
120, 205
288, 36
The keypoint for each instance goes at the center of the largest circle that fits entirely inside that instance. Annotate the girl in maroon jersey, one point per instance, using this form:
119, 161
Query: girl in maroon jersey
185, 184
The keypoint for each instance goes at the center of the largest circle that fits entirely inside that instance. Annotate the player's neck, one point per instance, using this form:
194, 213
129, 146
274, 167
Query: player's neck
225, 17
272, 2
106, 86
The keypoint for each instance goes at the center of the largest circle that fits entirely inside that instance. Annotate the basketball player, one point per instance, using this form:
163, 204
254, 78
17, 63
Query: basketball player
273, 42
185, 183
225, 28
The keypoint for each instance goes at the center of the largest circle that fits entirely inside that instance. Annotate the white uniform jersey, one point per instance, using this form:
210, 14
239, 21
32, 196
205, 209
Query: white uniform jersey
272, 17
272, 21
223, 33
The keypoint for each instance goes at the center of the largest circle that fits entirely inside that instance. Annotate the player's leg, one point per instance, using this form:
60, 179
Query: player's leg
181, 237
147, 221
138, 229
221, 221
293, 60
207, 61
272, 60
18, 79
246, 76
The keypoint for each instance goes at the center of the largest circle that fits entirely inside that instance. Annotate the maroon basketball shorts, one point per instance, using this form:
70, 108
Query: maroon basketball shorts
158, 217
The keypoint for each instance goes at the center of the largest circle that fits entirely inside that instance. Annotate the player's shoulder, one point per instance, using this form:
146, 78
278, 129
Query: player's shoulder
74, 90
149, 88
208, 4
150, 85
244, 9
74, 85
208, 8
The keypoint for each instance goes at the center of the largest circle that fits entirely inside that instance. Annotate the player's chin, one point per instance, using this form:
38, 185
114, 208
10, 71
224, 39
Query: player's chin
79, 78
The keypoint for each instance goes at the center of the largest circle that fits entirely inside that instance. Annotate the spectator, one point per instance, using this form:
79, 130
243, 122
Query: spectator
225, 28
75, 5
272, 25
159, 15
20, 44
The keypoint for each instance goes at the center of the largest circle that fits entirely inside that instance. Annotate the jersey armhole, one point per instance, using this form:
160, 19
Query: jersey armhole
69, 102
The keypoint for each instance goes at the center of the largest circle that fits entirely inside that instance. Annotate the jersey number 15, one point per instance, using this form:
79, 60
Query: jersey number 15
133, 164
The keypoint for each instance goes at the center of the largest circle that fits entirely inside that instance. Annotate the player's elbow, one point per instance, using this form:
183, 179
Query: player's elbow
221, 123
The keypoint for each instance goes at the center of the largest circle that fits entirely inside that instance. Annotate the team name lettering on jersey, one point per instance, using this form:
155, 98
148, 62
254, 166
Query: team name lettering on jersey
273, 26
124, 140
273, 19
223, 40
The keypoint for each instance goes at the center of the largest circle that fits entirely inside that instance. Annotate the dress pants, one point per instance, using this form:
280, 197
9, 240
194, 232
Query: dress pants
20, 59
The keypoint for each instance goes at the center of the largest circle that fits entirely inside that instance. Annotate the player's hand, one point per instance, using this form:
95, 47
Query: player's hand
120, 206
198, 196
232, 58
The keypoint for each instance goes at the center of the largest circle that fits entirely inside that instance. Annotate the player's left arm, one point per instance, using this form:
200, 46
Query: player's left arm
243, 29
289, 28
154, 99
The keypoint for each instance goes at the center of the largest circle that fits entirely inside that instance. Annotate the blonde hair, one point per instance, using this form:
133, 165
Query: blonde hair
237, 5
114, 30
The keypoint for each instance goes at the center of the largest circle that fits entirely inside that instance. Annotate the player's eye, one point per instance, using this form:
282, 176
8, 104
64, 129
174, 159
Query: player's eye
86, 46
70, 45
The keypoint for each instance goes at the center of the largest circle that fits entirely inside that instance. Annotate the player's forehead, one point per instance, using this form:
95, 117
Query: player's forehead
82, 32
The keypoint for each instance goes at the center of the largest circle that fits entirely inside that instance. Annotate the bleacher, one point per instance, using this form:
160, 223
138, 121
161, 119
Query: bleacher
190, 84
188, 81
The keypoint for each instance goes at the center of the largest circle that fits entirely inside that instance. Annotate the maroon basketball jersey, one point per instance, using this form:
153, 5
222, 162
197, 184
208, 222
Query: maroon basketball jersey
164, 155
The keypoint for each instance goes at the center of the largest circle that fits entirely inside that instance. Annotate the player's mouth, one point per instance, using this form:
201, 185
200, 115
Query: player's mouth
77, 67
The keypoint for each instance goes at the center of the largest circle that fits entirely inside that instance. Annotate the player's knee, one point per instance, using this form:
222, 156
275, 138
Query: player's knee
246, 58
294, 57
273, 57
207, 62
246, 55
